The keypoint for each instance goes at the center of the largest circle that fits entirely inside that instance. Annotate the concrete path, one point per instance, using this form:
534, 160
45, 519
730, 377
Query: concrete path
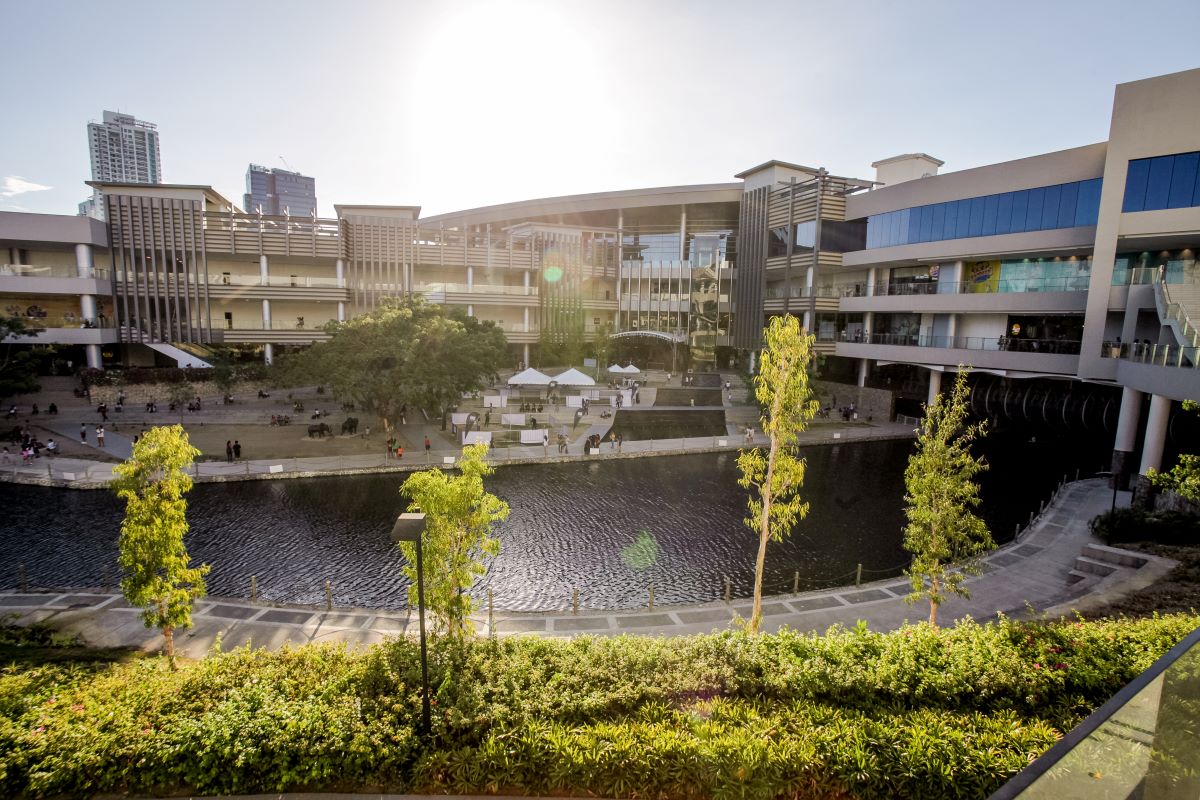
1040, 571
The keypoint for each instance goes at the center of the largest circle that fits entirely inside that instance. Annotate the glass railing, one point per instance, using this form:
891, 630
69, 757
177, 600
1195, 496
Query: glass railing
1141, 743
1074, 283
994, 343
223, 279
1162, 355
478, 288
36, 271
66, 321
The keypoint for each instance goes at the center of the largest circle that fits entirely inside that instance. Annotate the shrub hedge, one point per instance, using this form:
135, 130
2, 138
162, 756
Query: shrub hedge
1137, 525
919, 712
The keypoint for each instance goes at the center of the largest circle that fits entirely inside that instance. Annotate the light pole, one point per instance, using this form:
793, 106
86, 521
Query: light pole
409, 527
1115, 477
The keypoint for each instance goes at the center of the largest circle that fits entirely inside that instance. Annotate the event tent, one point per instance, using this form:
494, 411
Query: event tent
616, 369
574, 377
530, 377
630, 369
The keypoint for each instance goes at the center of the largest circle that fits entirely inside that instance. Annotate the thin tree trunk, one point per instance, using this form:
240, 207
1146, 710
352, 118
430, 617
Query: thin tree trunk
169, 636
933, 604
764, 524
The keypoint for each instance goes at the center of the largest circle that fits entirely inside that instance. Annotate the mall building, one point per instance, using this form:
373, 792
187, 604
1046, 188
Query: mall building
1069, 269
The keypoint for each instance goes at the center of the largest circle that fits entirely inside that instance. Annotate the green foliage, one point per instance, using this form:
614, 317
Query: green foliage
1184, 477
1138, 525
943, 534
920, 712
18, 364
458, 524
782, 387
158, 577
404, 352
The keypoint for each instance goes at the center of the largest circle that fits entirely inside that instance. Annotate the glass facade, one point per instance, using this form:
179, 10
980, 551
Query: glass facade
1173, 266
805, 236
1152, 184
1064, 205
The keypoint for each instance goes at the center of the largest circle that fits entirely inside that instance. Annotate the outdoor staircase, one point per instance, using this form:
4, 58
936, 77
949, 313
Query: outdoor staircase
1098, 561
1178, 307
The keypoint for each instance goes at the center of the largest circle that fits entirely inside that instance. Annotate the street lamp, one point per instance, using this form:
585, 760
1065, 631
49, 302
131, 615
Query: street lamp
409, 528
1116, 480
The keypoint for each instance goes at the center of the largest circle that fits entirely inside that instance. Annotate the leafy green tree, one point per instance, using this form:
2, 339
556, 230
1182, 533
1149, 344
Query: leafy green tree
1184, 477
158, 576
404, 352
943, 534
458, 523
179, 394
782, 388
18, 365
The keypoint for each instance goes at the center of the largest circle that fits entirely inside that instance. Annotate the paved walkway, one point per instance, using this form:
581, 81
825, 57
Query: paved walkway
1034, 572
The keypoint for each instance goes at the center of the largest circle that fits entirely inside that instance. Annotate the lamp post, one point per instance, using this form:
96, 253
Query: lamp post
409, 527
1116, 480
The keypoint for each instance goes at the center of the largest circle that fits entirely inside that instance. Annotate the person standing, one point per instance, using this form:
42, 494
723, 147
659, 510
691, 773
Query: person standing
237, 449
620, 441
228, 450
83, 432
428, 444
100, 435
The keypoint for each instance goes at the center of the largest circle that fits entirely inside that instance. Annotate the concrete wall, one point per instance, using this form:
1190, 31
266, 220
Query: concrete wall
879, 404
30, 230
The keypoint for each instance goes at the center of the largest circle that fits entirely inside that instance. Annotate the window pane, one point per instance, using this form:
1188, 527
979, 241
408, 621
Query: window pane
1033, 214
1135, 185
962, 228
1088, 208
976, 226
990, 204
951, 221
1004, 213
1158, 187
1050, 207
1020, 207
926, 223
872, 231
1183, 180
939, 222
914, 227
900, 227
1066, 206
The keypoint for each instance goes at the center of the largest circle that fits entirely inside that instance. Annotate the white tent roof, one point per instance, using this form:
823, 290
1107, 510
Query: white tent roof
616, 368
574, 377
529, 377
631, 369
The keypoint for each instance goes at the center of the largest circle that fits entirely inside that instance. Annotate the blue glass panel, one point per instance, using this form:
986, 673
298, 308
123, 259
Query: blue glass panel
1004, 213
1033, 214
1183, 180
1020, 207
900, 227
949, 216
963, 223
914, 227
1088, 207
1066, 206
872, 231
990, 204
1050, 207
1158, 187
976, 226
1135, 185
926, 223
939, 222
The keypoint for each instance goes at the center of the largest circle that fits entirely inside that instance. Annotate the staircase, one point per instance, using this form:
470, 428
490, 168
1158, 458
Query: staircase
1098, 562
182, 357
1179, 309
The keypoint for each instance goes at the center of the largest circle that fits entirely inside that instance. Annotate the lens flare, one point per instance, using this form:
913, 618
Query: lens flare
552, 274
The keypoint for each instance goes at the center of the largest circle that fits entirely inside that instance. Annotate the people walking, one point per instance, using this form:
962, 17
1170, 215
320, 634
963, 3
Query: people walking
100, 435
83, 432
428, 444
228, 451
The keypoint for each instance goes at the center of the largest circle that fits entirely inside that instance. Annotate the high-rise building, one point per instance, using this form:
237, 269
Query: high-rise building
122, 149
279, 191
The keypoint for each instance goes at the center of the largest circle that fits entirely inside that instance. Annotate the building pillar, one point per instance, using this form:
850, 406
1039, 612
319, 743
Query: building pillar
470, 310
262, 270
1156, 433
85, 268
871, 281
525, 354
526, 319
1125, 441
864, 367
268, 354
470, 279
935, 386
682, 232
340, 268
525, 275
868, 319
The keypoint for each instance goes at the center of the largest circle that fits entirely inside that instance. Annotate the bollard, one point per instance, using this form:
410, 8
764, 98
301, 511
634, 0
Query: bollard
328, 596
795, 583
247, 467
652, 597
1016, 531
728, 589
1076, 473
1041, 506
253, 587
575, 601
21, 580
50, 472
858, 576
1030, 519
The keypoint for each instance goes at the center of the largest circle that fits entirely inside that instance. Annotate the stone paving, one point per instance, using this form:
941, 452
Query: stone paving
1031, 575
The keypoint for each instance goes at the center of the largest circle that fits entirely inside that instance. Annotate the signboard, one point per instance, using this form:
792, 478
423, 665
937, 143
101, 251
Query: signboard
494, 401
275, 468
512, 419
478, 437
589, 362
448, 460
539, 436
458, 418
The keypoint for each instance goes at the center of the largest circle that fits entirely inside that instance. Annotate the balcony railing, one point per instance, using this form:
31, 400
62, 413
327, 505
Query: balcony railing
993, 343
1162, 355
66, 321
221, 279
478, 288
37, 271
1075, 283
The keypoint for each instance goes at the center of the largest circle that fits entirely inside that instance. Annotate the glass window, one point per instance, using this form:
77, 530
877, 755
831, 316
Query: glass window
1183, 180
939, 222
1050, 208
1066, 205
1088, 208
976, 226
899, 226
1158, 185
777, 242
962, 228
990, 205
1004, 213
1020, 208
1033, 214
1135, 185
914, 227
926, 223
806, 236
951, 216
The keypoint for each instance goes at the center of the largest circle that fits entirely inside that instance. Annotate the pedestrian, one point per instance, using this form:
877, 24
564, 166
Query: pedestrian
428, 444
612, 441
228, 450
487, 417
237, 449
399, 451
545, 442
51, 446
83, 432
53, 409
620, 441
35, 410
100, 435
104, 412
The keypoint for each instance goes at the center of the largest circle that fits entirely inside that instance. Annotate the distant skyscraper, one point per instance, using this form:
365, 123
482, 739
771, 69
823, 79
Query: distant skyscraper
122, 149
275, 190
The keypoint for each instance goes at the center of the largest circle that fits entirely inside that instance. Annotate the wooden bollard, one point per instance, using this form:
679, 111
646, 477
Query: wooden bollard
858, 576
328, 596
253, 587
575, 601
796, 583
728, 589
652, 597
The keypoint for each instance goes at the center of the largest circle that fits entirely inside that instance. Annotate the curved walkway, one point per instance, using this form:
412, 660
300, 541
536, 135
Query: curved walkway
1045, 570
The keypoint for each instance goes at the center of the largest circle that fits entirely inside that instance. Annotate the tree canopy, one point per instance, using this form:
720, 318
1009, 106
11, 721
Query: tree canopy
18, 365
458, 523
782, 389
405, 352
943, 533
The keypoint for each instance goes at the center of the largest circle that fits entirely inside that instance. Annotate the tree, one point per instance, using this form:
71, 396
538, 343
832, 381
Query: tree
1184, 477
782, 388
404, 352
458, 524
179, 394
943, 534
18, 365
158, 577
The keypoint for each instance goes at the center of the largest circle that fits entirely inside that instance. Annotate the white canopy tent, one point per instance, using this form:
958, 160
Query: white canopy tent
530, 377
616, 369
574, 377
630, 369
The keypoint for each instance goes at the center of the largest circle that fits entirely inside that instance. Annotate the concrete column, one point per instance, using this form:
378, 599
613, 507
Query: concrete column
262, 269
871, 281
1156, 433
1126, 439
83, 260
868, 320
84, 265
935, 386
682, 231
341, 313
952, 326
470, 278
807, 321
269, 354
266, 314
527, 319
526, 277
864, 368
525, 354
340, 273
470, 310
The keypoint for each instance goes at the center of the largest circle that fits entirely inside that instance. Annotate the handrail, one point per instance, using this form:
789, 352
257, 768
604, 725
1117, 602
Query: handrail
993, 343
1162, 355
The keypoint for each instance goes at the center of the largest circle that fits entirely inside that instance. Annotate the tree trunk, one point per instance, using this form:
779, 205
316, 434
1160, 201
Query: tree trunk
169, 636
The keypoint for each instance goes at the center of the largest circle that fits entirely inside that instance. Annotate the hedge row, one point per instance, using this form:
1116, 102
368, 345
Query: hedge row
917, 712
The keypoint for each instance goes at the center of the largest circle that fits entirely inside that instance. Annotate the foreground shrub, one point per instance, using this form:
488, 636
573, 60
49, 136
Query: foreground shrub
917, 712
1137, 525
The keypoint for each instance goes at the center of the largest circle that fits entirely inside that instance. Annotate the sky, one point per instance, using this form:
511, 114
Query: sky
453, 105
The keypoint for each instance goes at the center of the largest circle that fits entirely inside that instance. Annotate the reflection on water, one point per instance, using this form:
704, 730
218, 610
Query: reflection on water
609, 528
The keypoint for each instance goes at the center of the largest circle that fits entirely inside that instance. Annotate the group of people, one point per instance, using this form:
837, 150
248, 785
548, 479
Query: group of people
52, 409
531, 407
99, 434
395, 449
233, 450
30, 448
280, 419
